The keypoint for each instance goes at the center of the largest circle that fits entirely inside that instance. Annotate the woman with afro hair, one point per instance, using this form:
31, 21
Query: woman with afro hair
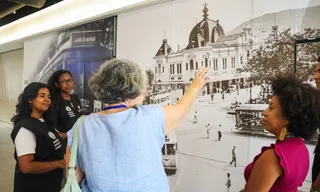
293, 116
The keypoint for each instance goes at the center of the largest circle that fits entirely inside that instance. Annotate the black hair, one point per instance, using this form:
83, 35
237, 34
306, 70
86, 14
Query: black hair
299, 105
56, 91
318, 59
228, 174
24, 108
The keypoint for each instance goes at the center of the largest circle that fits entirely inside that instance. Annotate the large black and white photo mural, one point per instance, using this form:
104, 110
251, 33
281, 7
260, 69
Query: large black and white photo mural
243, 44
80, 50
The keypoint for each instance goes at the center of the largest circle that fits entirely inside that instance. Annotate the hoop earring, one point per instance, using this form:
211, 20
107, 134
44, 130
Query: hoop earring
283, 134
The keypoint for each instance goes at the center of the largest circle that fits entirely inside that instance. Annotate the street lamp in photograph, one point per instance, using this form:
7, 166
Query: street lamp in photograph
223, 92
250, 92
268, 90
238, 87
263, 91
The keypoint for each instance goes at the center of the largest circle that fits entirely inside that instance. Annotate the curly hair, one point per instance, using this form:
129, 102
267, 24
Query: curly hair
299, 105
117, 81
55, 91
24, 108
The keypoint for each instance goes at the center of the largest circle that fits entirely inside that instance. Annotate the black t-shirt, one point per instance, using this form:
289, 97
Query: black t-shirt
317, 148
48, 148
67, 114
316, 161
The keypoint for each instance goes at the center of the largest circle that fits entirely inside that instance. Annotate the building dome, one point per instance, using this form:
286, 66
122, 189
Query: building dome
205, 32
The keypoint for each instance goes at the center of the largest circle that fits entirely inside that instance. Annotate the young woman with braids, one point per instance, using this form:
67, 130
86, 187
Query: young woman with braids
66, 106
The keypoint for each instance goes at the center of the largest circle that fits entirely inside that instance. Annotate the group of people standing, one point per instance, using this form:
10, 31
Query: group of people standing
119, 148
44, 115
209, 129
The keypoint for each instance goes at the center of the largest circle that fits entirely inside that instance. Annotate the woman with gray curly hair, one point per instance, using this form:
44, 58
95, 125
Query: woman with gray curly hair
120, 147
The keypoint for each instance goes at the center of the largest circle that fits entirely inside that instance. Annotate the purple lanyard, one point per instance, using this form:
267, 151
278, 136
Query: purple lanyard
114, 107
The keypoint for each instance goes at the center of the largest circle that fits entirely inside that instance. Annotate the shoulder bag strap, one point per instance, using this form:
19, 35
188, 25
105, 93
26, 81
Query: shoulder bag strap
74, 150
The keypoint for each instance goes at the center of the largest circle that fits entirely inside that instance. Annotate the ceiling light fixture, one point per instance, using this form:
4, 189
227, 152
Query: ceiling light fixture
67, 13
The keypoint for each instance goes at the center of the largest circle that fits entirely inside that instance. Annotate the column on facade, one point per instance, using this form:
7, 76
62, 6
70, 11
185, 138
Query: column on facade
210, 87
220, 84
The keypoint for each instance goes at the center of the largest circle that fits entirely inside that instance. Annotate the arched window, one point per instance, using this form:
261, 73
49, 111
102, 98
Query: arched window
191, 64
206, 62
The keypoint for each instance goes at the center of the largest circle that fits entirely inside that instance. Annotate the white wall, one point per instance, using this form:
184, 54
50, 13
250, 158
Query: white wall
11, 69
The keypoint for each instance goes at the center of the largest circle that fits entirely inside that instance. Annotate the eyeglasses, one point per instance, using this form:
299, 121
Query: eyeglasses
64, 82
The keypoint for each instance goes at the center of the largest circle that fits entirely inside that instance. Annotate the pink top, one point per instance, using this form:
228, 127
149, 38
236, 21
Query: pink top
294, 159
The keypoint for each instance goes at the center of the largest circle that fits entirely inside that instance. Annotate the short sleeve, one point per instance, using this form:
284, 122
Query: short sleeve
282, 160
157, 116
25, 142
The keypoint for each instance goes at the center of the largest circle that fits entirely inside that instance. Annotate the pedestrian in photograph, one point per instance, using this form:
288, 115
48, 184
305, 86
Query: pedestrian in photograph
219, 133
234, 158
228, 184
208, 130
293, 117
195, 117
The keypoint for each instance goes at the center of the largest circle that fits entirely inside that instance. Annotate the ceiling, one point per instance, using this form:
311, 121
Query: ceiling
22, 12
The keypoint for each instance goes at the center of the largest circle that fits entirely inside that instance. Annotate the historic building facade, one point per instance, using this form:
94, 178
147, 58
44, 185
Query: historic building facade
209, 47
